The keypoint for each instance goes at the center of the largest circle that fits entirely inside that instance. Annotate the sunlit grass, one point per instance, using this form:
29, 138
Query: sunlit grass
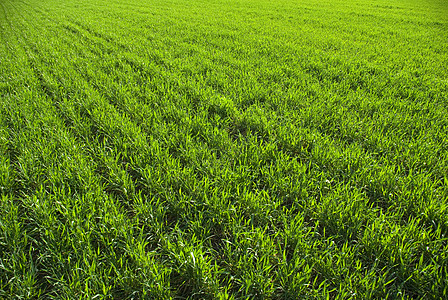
244, 149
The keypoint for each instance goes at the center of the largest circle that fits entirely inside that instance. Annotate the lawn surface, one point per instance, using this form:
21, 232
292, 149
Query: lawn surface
217, 149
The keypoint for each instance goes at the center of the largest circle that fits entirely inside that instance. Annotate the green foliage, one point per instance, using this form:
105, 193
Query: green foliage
249, 149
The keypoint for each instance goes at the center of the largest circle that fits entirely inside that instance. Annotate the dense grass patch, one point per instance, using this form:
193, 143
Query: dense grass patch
246, 149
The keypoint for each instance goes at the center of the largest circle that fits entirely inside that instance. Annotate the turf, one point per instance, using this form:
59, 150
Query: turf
216, 149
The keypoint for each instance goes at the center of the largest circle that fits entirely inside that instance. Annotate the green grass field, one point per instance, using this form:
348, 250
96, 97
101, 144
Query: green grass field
218, 149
